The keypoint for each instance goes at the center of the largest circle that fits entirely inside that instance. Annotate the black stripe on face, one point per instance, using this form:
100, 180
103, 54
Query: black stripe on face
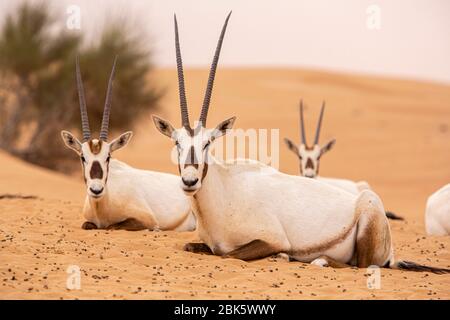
191, 159
96, 171
309, 164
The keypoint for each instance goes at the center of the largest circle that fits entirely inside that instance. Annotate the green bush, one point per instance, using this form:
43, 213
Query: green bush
37, 67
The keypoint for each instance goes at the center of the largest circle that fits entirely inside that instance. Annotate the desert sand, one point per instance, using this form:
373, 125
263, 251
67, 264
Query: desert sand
395, 134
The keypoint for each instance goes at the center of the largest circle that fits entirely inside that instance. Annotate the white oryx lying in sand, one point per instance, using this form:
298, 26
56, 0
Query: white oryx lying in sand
437, 215
309, 157
251, 211
119, 196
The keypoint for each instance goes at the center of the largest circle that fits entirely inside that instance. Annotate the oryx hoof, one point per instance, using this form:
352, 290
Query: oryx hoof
320, 262
197, 248
282, 256
88, 226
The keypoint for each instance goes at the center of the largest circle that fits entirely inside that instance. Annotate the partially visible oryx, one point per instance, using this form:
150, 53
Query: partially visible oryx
249, 211
119, 196
310, 156
437, 215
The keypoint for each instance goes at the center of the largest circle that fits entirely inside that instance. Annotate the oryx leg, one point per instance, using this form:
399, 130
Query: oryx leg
373, 237
253, 250
89, 226
130, 224
196, 247
325, 261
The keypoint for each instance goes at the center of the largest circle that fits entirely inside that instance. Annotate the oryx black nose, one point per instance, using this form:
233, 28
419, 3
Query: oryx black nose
190, 182
96, 191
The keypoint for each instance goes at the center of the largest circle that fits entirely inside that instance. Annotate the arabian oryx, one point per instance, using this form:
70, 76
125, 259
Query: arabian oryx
310, 156
247, 211
437, 215
119, 196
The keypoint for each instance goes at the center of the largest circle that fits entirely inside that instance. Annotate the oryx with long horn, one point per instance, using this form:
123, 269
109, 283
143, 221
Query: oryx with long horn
247, 211
119, 196
310, 155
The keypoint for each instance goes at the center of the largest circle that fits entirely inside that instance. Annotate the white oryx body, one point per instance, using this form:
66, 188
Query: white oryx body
119, 196
239, 203
153, 198
437, 215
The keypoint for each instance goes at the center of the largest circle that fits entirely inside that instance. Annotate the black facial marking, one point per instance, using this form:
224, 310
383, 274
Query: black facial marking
309, 164
96, 170
205, 171
191, 159
205, 165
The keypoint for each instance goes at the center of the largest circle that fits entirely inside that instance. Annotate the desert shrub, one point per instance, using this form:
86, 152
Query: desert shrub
38, 95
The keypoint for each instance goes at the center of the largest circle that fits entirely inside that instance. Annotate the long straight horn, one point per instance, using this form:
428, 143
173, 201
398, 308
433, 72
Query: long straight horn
83, 110
107, 109
212, 73
181, 89
319, 124
302, 124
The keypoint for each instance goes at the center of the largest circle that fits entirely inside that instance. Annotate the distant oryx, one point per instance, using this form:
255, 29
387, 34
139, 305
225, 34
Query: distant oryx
249, 210
310, 156
119, 196
437, 215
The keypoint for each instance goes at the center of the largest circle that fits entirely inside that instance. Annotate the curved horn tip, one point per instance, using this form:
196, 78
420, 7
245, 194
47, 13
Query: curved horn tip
115, 60
319, 123
84, 116
302, 124
107, 108
212, 73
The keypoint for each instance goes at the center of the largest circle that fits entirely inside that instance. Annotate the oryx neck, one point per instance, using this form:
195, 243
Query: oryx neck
210, 184
99, 205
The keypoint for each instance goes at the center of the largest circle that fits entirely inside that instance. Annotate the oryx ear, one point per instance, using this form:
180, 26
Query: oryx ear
70, 141
163, 126
222, 127
330, 144
121, 141
291, 146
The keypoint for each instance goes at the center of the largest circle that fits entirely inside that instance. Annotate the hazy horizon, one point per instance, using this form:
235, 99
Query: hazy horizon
412, 41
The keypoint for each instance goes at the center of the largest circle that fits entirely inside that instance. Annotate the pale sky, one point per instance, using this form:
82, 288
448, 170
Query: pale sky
413, 40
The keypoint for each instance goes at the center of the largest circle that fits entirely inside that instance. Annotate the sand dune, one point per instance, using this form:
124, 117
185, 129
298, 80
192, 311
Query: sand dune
394, 134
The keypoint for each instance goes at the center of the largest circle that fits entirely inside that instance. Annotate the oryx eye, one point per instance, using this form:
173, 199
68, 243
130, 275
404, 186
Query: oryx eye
109, 158
207, 145
83, 159
177, 144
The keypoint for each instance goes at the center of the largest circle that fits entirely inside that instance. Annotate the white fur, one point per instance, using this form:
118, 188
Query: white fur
345, 184
437, 215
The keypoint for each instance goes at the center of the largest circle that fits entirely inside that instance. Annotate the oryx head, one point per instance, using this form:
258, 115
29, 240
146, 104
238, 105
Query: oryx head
95, 154
310, 155
192, 143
